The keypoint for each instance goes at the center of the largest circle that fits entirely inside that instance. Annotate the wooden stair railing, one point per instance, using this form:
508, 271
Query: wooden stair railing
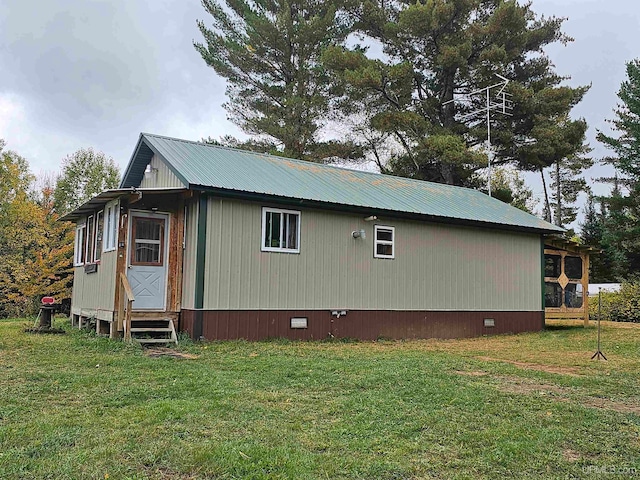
124, 311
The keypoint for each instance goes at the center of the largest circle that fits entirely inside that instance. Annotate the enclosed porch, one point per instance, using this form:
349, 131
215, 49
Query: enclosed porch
128, 263
566, 279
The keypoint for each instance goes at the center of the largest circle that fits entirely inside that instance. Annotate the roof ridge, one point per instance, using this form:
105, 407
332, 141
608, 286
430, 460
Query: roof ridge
270, 155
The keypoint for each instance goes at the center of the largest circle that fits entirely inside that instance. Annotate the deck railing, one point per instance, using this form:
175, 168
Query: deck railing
126, 304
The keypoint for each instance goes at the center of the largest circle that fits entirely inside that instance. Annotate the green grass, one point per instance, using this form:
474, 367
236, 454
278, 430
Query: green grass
526, 406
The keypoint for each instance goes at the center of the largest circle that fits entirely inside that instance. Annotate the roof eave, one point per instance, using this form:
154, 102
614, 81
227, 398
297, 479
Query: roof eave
102, 198
243, 195
143, 140
127, 171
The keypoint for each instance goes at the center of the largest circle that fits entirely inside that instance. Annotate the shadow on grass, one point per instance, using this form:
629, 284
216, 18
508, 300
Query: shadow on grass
563, 327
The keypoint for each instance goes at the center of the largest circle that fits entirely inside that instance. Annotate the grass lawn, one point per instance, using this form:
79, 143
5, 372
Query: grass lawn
76, 406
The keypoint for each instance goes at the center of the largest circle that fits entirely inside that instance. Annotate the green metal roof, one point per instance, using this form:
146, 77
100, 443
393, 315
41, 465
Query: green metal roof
222, 169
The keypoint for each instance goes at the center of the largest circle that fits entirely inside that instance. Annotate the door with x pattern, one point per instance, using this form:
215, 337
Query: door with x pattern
147, 260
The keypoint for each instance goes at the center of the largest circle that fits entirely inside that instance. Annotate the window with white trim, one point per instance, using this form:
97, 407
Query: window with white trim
78, 256
280, 230
88, 244
97, 246
383, 241
110, 228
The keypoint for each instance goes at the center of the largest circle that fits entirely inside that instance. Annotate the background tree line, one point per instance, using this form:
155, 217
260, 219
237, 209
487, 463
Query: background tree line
36, 250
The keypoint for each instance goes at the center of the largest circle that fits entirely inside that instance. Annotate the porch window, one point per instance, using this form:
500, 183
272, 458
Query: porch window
97, 247
552, 294
78, 256
88, 244
280, 230
148, 237
110, 228
383, 242
552, 266
573, 267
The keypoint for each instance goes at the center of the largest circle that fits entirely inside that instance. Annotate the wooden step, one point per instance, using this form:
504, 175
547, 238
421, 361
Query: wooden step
142, 315
154, 340
151, 329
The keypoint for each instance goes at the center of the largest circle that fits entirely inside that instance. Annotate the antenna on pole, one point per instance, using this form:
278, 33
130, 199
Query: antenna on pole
496, 99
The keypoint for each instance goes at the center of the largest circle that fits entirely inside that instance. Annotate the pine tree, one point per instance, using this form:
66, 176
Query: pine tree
623, 229
591, 235
508, 186
269, 53
566, 185
439, 50
613, 216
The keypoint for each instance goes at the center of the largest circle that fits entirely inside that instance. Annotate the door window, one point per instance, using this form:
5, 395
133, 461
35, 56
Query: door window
148, 241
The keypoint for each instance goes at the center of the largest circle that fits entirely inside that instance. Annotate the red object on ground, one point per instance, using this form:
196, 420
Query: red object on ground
48, 300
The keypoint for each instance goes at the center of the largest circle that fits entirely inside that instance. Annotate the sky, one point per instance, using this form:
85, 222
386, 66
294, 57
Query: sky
94, 73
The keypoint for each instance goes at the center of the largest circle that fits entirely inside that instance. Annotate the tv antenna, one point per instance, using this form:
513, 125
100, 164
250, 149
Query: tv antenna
496, 99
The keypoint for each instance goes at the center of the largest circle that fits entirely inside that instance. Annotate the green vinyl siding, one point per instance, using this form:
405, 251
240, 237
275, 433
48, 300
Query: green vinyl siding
436, 266
95, 292
189, 258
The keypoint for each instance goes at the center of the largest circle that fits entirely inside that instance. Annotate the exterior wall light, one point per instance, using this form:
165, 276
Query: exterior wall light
359, 234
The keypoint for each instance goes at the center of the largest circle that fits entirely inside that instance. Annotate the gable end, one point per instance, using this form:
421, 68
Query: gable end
143, 156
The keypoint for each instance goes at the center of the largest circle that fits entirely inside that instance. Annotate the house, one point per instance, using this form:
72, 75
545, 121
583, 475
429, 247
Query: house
227, 244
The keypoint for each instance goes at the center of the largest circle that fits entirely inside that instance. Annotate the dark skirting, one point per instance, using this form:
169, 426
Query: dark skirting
357, 324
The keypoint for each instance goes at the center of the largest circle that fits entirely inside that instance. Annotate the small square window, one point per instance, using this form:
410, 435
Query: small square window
280, 230
383, 244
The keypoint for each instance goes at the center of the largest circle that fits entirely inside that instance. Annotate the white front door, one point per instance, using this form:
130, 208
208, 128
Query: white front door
147, 262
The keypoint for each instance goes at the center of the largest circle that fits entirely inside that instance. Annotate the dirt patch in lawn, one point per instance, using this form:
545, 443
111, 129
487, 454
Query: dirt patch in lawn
509, 384
571, 455
167, 352
571, 371
476, 373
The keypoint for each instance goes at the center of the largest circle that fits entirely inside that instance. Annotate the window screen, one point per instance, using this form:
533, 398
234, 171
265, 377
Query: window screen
573, 267
552, 266
552, 294
573, 295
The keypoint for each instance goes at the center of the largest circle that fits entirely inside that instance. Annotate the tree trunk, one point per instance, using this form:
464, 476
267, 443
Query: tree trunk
558, 196
447, 117
547, 207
